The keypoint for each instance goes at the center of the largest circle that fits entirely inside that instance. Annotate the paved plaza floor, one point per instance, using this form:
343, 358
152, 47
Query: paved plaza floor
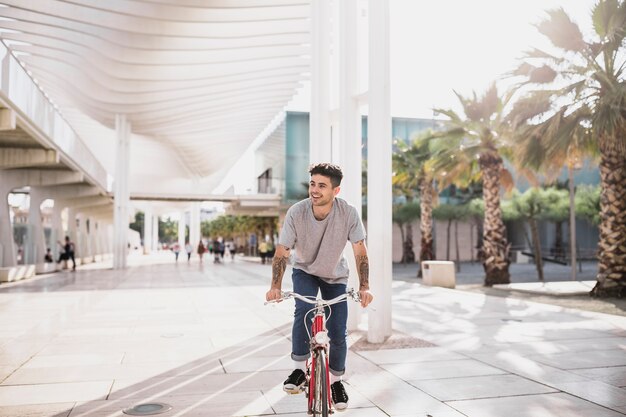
199, 338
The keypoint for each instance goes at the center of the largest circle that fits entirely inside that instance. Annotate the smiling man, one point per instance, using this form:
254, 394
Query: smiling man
317, 229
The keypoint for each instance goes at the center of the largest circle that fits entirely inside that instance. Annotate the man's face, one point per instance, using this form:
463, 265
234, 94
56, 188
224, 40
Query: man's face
321, 190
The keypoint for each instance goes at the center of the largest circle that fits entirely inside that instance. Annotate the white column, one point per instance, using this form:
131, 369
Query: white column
147, 231
82, 239
194, 224
350, 131
181, 231
36, 247
379, 171
319, 117
94, 233
155, 232
71, 226
56, 233
7, 244
121, 190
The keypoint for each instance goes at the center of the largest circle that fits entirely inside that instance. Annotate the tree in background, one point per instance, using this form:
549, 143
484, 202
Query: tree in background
476, 214
404, 215
536, 204
232, 227
474, 145
137, 225
588, 203
168, 230
451, 213
578, 93
412, 177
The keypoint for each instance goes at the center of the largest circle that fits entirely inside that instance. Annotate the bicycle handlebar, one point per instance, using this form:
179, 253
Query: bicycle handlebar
350, 293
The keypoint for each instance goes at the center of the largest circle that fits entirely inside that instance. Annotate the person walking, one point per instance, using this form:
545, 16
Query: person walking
189, 250
201, 249
68, 252
318, 228
263, 251
176, 250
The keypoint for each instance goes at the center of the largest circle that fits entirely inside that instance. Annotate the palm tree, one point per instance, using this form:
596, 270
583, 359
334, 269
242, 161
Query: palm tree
404, 215
537, 204
411, 173
579, 97
472, 147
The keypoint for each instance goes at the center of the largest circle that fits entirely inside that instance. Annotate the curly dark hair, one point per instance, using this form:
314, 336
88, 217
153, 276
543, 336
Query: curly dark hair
328, 170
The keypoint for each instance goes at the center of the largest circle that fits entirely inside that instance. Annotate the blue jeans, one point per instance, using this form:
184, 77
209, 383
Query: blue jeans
307, 284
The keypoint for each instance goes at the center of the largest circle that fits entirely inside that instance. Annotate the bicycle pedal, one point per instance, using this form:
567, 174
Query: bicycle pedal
295, 391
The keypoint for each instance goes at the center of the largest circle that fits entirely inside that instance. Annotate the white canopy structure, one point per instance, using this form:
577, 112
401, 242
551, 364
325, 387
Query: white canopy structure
196, 80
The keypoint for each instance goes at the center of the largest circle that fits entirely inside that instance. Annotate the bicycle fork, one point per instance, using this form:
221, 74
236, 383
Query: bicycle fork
318, 392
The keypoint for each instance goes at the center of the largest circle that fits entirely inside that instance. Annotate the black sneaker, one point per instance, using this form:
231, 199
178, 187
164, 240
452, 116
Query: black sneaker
295, 381
340, 396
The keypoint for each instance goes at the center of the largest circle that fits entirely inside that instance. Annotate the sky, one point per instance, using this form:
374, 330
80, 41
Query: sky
437, 46
445, 45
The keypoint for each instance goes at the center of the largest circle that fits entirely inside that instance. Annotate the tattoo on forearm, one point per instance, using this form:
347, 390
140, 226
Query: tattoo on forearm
363, 267
279, 264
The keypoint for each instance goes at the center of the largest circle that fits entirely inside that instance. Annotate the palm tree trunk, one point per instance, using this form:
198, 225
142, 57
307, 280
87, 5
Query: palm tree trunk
471, 226
495, 246
456, 246
611, 278
408, 250
402, 237
448, 239
479, 222
559, 248
534, 231
426, 223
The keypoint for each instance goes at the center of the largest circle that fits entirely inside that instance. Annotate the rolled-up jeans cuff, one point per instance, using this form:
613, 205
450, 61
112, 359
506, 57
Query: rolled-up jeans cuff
336, 373
300, 358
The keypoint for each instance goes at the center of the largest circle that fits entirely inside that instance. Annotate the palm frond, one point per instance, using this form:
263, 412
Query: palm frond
562, 32
609, 21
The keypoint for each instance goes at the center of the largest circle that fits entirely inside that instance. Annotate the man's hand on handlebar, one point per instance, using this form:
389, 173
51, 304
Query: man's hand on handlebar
366, 297
273, 294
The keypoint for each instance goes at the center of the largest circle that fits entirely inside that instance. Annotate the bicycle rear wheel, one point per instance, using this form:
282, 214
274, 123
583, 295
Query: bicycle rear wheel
320, 394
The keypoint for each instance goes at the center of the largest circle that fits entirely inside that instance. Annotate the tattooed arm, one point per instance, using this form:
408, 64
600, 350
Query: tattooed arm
363, 269
279, 264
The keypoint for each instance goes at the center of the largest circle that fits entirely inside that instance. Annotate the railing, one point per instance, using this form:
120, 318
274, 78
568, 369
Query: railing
29, 101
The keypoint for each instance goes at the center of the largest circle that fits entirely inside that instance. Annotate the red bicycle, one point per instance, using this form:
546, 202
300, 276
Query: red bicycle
317, 386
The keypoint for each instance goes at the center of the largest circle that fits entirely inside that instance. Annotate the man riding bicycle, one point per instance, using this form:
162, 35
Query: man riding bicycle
318, 228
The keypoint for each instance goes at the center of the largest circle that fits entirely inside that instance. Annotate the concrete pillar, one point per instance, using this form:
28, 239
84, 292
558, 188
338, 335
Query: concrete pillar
79, 250
181, 232
35, 247
56, 233
379, 171
94, 225
8, 256
85, 240
147, 231
194, 224
72, 228
94, 238
122, 194
155, 232
350, 131
319, 117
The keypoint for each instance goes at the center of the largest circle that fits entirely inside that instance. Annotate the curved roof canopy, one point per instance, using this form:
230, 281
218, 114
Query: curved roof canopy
203, 78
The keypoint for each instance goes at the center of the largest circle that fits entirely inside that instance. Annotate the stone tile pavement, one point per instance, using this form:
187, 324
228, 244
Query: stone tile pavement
198, 337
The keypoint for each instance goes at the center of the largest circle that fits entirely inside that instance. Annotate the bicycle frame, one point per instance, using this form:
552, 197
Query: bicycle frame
319, 349
317, 386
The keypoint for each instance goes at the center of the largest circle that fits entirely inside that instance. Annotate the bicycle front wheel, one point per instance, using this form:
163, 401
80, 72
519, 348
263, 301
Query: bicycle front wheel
320, 395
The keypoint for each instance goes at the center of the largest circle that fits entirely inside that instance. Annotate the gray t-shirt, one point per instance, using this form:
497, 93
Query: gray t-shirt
319, 244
